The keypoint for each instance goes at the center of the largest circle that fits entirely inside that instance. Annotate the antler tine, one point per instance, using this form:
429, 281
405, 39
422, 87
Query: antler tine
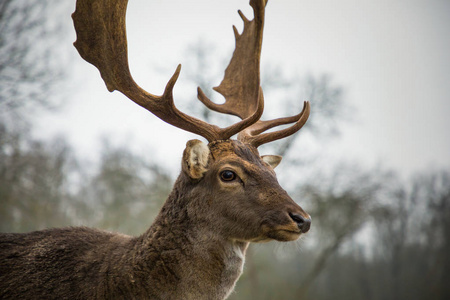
254, 134
101, 40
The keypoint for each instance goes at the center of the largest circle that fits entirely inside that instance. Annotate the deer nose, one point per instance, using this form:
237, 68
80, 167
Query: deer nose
303, 223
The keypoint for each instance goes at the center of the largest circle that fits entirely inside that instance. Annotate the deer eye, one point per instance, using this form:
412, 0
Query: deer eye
227, 175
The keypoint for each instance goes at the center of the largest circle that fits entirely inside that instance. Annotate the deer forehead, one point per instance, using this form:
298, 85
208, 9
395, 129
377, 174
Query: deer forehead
242, 158
232, 149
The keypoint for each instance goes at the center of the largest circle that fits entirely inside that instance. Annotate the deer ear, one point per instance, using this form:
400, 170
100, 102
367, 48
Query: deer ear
195, 159
272, 160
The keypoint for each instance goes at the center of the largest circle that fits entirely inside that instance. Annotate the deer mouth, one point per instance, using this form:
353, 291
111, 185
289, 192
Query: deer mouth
282, 233
285, 235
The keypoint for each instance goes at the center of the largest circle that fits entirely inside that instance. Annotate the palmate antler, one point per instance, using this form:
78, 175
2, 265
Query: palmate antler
239, 82
101, 40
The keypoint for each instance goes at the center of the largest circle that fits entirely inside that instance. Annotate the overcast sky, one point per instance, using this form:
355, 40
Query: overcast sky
391, 57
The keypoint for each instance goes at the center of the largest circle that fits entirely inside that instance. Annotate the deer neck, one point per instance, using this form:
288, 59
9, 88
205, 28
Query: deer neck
186, 258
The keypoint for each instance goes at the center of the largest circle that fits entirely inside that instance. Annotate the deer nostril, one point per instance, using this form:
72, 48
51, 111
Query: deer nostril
303, 223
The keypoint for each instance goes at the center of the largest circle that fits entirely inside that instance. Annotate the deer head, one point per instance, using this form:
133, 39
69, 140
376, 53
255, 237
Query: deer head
243, 200
229, 176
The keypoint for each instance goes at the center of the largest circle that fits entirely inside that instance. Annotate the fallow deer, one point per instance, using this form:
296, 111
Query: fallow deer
225, 197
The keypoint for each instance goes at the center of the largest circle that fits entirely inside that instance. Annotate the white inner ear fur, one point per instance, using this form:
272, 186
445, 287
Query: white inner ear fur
272, 160
195, 158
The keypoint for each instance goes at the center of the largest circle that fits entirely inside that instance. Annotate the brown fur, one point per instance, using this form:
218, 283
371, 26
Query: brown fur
194, 249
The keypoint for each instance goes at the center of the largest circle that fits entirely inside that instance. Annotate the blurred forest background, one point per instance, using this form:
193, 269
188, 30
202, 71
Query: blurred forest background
375, 235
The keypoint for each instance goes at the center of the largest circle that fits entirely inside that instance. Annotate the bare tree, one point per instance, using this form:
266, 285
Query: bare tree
125, 190
30, 65
30, 70
341, 206
413, 229
33, 178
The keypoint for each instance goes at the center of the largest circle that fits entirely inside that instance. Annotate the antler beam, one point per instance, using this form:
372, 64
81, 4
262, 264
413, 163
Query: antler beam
101, 40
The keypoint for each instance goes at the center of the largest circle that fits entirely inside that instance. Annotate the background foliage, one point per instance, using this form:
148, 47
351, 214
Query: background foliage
374, 235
